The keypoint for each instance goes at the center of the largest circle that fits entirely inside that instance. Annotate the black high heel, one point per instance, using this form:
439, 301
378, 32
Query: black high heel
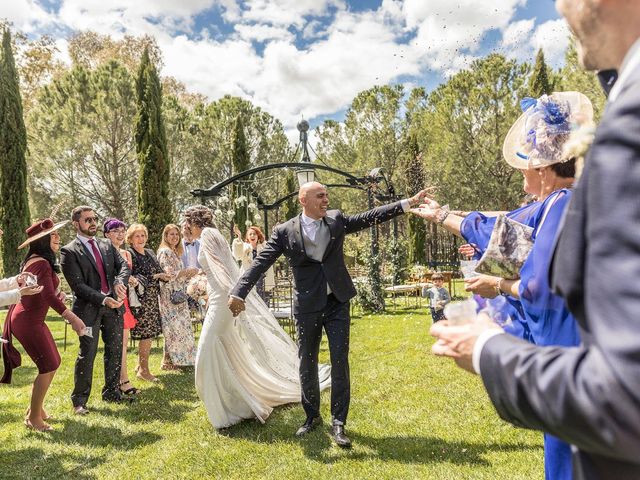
129, 391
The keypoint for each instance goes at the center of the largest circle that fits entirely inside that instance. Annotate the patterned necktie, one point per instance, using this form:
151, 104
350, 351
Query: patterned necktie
104, 285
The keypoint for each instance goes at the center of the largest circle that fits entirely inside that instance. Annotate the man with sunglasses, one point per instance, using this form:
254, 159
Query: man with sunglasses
97, 275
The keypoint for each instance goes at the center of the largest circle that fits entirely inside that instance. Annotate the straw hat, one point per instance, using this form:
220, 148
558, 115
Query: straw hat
536, 139
40, 229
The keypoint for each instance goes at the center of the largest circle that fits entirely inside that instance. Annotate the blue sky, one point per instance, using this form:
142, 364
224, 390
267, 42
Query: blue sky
307, 58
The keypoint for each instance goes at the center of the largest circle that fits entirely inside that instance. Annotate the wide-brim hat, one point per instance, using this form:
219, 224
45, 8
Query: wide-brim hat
40, 229
538, 136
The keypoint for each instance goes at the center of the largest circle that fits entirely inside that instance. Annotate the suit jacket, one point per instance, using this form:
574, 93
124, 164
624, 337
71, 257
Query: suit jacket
311, 276
81, 272
589, 396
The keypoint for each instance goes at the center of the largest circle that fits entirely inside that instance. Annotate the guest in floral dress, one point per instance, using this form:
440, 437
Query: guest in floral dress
179, 344
148, 272
115, 230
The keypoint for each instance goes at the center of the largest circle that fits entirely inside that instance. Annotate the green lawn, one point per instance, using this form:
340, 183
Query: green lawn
412, 416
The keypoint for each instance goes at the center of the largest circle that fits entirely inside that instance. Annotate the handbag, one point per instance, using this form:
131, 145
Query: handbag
178, 296
508, 249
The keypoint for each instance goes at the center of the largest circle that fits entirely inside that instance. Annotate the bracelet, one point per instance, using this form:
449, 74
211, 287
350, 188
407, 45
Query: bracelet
499, 286
443, 213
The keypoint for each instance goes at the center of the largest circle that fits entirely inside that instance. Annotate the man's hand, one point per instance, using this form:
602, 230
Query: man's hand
33, 290
163, 277
421, 196
133, 281
457, 341
484, 285
467, 250
120, 290
236, 306
112, 303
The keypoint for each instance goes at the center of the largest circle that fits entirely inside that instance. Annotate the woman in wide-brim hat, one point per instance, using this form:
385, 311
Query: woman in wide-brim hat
534, 145
26, 320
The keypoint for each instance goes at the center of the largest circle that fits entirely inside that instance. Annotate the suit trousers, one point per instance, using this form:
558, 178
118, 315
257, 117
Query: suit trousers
110, 322
336, 320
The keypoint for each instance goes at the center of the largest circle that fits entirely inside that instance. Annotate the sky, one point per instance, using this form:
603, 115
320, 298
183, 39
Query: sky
307, 58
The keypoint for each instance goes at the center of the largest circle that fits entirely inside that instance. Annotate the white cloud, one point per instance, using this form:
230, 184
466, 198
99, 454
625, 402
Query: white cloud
315, 55
26, 15
553, 38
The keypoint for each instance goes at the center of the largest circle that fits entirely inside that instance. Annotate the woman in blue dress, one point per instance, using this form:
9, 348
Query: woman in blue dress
534, 146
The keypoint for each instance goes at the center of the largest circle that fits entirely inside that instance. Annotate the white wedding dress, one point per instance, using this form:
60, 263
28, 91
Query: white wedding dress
246, 365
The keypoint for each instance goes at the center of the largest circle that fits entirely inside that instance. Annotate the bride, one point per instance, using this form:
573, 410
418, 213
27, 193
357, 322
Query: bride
244, 366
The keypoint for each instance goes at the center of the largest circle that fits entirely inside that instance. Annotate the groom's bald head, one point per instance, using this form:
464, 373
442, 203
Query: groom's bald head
314, 199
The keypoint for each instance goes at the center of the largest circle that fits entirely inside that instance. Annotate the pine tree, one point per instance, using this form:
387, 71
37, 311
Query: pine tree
539, 82
154, 207
241, 162
14, 201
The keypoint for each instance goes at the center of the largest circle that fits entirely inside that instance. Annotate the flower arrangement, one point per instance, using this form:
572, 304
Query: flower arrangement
241, 200
197, 287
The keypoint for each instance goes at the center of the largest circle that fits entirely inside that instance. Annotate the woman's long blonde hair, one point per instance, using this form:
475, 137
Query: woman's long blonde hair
179, 250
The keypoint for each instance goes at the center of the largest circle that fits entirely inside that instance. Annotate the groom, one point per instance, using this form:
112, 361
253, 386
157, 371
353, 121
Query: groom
313, 243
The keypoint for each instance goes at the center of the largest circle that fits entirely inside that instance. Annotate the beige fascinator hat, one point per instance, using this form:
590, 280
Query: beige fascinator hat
537, 138
40, 229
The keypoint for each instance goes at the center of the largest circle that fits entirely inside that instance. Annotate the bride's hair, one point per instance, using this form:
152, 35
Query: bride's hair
200, 216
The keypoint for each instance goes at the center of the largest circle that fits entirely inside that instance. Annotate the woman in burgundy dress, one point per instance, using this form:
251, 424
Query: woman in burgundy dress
26, 320
115, 230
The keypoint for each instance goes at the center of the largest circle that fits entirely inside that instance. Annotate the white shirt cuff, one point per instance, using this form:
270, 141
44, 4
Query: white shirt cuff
483, 338
236, 297
405, 205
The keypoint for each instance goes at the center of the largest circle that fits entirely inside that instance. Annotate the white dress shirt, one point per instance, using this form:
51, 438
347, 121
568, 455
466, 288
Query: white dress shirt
630, 63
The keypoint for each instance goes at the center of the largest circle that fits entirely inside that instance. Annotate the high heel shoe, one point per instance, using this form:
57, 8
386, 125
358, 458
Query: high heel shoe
129, 391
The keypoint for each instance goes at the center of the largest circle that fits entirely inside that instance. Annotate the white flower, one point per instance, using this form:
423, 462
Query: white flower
218, 213
248, 223
230, 213
257, 217
241, 200
252, 206
223, 200
578, 145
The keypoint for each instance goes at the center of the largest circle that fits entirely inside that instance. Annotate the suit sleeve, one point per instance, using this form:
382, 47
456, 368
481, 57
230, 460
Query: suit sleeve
73, 273
589, 396
360, 221
267, 257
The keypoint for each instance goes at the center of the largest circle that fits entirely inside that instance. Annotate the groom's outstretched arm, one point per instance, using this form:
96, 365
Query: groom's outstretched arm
360, 221
267, 257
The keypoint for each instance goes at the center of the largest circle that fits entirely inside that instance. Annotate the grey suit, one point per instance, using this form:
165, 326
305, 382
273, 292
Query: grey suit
81, 272
313, 270
589, 396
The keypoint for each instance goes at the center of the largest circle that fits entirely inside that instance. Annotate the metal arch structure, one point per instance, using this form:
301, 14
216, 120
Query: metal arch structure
368, 183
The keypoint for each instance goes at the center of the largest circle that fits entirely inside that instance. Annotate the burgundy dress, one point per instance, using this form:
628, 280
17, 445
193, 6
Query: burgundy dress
25, 321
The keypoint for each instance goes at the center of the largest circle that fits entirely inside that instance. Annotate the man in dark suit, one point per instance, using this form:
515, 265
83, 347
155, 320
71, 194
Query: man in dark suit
313, 243
97, 275
588, 396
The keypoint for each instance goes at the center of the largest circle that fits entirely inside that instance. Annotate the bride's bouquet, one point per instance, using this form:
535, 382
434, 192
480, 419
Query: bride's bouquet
197, 287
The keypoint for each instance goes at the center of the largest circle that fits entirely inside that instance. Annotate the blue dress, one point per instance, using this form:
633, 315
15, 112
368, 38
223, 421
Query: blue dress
476, 228
540, 316
550, 323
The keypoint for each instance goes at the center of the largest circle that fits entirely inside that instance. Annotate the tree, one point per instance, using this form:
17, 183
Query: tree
240, 160
291, 208
539, 82
14, 200
154, 205
464, 126
82, 149
414, 173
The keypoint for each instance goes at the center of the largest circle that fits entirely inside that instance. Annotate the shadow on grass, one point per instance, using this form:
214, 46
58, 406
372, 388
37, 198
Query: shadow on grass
319, 446
36, 463
23, 375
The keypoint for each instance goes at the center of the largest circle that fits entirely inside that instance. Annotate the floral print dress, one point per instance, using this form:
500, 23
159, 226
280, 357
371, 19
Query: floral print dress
144, 267
176, 318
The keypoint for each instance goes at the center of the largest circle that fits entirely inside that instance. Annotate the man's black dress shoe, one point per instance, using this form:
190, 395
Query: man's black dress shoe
120, 399
337, 432
309, 425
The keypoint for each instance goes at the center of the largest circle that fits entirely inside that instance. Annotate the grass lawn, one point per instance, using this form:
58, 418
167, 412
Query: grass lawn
412, 416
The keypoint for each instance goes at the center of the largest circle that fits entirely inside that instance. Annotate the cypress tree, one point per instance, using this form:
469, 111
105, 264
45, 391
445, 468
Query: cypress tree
417, 230
539, 82
14, 200
240, 162
154, 206
291, 208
